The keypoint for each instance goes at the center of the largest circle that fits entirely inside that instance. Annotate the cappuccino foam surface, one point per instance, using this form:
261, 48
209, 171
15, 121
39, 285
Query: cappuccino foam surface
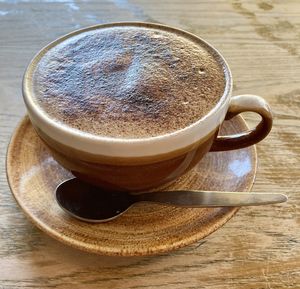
128, 82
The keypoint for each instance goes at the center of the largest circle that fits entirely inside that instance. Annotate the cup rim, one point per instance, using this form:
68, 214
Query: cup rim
35, 112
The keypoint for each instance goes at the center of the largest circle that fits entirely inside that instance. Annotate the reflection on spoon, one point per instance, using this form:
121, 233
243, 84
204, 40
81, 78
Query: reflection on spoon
91, 204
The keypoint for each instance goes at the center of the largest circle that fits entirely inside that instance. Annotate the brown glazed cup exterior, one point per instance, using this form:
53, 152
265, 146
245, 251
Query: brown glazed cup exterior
142, 164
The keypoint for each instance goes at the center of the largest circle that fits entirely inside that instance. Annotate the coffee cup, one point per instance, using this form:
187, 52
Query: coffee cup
132, 106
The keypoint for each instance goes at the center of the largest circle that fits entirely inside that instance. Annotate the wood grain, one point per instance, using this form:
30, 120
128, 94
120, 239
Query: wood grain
259, 247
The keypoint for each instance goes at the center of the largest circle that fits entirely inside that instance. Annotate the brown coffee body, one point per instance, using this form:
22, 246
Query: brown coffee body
128, 82
129, 174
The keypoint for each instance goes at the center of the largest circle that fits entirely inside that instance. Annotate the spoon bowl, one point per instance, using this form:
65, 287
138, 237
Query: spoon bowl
88, 203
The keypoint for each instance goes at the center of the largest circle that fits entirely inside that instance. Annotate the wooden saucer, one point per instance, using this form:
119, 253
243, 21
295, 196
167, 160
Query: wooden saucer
145, 229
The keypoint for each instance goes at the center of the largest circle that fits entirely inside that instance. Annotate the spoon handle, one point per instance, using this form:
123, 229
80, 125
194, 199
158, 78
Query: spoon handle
198, 199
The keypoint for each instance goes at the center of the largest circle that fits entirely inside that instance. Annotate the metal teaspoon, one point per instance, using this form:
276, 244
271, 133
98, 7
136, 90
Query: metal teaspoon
85, 202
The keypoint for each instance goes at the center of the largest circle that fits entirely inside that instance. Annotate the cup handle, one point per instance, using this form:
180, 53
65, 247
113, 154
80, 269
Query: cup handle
239, 104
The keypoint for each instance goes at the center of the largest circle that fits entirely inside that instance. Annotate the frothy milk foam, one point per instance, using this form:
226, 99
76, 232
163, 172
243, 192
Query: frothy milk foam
128, 82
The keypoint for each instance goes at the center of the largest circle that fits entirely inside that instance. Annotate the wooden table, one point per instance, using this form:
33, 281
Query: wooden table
259, 247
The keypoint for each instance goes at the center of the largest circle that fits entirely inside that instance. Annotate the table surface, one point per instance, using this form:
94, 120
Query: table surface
259, 247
